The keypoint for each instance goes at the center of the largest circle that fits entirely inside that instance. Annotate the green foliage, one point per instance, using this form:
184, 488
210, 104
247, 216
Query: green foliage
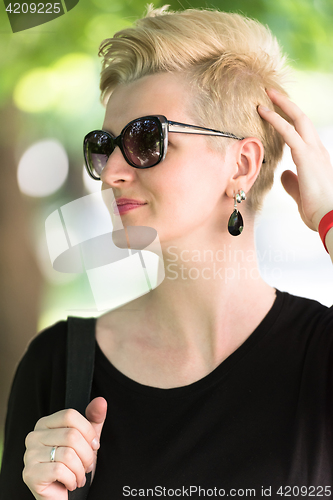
80, 30
303, 27
66, 98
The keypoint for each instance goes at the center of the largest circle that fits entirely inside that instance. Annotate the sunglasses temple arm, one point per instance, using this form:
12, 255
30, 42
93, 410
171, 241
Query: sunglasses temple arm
193, 129
182, 128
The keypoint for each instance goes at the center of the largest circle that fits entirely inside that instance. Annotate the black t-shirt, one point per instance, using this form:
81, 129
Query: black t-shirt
258, 425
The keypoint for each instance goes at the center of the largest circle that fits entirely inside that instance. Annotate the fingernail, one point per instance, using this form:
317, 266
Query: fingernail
90, 468
95, 444
264, 108
83, 482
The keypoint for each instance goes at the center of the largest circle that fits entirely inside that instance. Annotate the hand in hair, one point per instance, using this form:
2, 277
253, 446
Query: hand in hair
312, 187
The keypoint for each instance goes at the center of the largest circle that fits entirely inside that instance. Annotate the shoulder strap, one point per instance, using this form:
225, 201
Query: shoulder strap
80, 370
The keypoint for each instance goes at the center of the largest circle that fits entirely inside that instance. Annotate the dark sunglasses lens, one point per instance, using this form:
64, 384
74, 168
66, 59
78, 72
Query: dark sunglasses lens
97, 148
142, 142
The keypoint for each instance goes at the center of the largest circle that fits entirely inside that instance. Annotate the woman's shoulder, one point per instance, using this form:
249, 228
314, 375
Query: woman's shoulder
53, 338
305, 313
50, 333
46, 349
296, 303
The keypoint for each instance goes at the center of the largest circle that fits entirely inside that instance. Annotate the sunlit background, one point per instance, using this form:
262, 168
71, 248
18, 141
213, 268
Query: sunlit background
49, 99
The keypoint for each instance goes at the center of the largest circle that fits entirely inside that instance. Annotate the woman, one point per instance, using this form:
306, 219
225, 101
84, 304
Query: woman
214, 383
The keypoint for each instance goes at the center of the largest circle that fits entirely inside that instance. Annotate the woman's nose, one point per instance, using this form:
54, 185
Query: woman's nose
116, 168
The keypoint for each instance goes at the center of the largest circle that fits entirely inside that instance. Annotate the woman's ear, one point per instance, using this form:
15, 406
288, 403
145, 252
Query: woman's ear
248, 155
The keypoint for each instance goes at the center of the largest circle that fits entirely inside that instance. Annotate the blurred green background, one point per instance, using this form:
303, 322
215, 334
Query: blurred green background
49, 92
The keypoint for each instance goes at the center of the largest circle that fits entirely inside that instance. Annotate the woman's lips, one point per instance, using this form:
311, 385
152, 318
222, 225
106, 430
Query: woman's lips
121, 209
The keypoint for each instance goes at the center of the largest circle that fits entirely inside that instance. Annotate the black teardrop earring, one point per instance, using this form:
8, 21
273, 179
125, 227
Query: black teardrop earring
235, 223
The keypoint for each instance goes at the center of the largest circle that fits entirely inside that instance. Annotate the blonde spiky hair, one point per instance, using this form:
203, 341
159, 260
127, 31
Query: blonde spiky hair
228, 59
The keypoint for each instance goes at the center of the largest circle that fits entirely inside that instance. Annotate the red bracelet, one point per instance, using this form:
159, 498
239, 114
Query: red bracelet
325, 225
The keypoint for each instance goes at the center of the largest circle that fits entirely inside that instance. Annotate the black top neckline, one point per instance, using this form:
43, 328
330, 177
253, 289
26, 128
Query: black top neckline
215, 376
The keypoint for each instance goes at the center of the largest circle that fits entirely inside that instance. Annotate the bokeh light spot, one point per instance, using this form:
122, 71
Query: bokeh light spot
43, 168
65, 87
36, 91
104, 25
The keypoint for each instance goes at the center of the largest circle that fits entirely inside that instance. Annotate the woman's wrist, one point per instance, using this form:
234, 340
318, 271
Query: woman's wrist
325, 226
329, 242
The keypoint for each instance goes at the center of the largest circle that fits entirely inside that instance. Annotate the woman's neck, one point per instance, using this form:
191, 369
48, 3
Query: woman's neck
207, 317
211, 299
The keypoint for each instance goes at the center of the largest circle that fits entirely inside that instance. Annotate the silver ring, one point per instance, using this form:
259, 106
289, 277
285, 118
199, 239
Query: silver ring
52, 454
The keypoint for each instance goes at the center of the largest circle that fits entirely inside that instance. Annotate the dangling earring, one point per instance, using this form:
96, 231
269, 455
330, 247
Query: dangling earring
235, 223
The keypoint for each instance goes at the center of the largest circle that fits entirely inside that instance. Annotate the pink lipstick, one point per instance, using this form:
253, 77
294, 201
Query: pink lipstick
123, 205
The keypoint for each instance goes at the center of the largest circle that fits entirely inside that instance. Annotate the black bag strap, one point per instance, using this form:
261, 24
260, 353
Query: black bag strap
79, 375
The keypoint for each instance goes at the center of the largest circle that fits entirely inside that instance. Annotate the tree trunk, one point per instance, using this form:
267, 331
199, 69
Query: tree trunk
20, 282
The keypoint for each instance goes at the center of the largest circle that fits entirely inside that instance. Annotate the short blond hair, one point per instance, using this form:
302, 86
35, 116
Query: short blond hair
229, 59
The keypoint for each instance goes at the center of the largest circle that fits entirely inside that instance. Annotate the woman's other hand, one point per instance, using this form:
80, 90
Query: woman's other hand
76, 440
312, 187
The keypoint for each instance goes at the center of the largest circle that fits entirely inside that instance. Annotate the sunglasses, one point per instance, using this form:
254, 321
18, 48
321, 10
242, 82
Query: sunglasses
143, 142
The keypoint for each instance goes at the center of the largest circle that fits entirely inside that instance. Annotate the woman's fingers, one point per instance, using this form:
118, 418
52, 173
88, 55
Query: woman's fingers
72, 419
67, 437
63, 454
288, 132
303, 125
72, 448
290, 183
75, 441
312, 187
38, 477
96, 414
